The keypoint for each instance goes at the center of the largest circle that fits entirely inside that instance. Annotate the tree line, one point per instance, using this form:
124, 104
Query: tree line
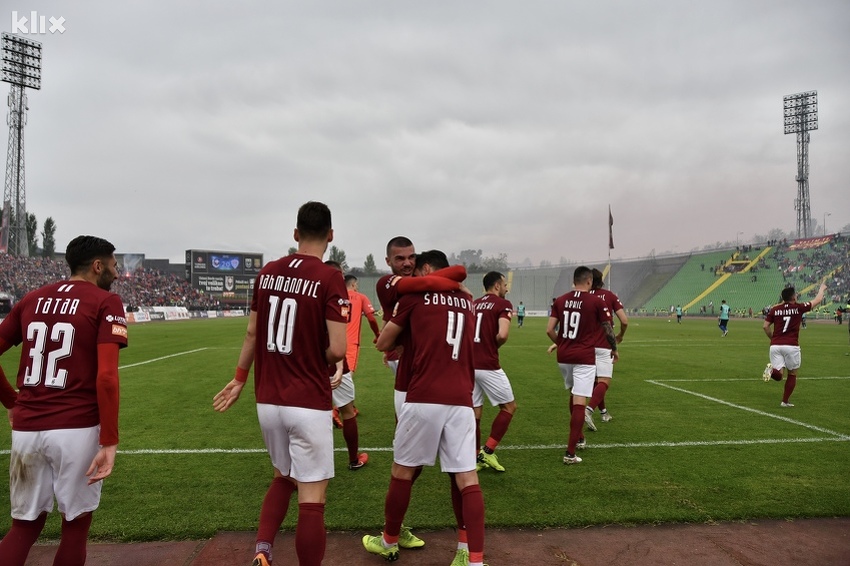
48, 235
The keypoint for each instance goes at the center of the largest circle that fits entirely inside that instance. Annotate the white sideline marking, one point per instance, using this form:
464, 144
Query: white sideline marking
834, 436
560, 446
739, 379
751, 410
162, 358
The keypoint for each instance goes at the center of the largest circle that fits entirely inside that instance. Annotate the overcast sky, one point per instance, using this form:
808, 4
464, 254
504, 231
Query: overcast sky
505, 126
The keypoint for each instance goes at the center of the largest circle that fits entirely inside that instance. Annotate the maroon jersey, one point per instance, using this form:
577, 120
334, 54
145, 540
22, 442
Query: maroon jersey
613, 303
293, 297
581, 316
388, 296
59, 327
489, 310
786, 319
441, 327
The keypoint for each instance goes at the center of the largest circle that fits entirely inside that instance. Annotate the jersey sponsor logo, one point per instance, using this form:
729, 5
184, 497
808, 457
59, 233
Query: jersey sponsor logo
118, 319
391, 282
345, 311
118, 330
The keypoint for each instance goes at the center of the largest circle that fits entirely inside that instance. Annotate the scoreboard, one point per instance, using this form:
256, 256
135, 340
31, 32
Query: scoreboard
230, 274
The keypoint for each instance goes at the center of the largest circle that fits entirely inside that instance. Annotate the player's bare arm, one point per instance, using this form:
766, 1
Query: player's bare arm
225, 398
624, 324
336, 378
386, 341
103, 463
612, 340
821, 292
504, 329
337, 341
8, 395
552, 329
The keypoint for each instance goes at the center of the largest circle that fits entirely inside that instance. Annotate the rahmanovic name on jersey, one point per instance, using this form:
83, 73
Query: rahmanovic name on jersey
292, 285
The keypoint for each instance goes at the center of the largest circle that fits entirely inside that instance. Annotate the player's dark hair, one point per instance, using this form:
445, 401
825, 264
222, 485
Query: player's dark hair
491, 279
349, 278
314, 220
83, 250
788, 293
581, 274
598, 279
334, 264
434, 258
398, 242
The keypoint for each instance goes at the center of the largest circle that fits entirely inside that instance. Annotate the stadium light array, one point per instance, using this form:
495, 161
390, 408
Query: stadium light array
21, 61
801, 112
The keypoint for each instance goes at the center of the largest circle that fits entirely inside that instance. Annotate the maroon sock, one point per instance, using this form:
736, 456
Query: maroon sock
273, 511
499, 428
16, 545
473, 518
349, 433
776, 374
790, 384
395, 505
310, 535
416, 474
457, 502
598, 394
72, 546
576, 424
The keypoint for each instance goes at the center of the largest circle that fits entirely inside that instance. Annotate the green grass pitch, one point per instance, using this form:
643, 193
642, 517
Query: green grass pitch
697, 436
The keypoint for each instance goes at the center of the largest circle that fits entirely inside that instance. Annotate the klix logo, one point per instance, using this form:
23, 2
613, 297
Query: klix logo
36, 24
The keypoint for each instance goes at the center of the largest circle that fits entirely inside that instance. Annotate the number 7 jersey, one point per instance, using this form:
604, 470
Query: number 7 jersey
59, 327
786, 319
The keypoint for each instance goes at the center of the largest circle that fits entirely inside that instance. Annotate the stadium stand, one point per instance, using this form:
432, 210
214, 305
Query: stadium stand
748, 278
142, 286
751, 279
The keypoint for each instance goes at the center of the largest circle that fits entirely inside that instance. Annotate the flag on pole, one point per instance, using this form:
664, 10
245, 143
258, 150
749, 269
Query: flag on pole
610, 229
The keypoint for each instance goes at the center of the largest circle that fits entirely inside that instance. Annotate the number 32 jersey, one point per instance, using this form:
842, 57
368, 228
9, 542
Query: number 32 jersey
59, 327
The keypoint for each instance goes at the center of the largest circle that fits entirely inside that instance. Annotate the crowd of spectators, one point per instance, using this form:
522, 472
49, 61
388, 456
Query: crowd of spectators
808, 267
140, 287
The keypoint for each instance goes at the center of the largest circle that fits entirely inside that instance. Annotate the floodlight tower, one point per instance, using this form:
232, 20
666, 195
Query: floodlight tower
21, 68
801, 116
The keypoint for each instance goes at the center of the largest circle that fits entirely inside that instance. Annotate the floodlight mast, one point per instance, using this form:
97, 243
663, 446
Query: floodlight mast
22, 69
801, 116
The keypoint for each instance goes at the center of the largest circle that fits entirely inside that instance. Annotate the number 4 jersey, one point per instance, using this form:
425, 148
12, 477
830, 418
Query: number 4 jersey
59, 327
441, 326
